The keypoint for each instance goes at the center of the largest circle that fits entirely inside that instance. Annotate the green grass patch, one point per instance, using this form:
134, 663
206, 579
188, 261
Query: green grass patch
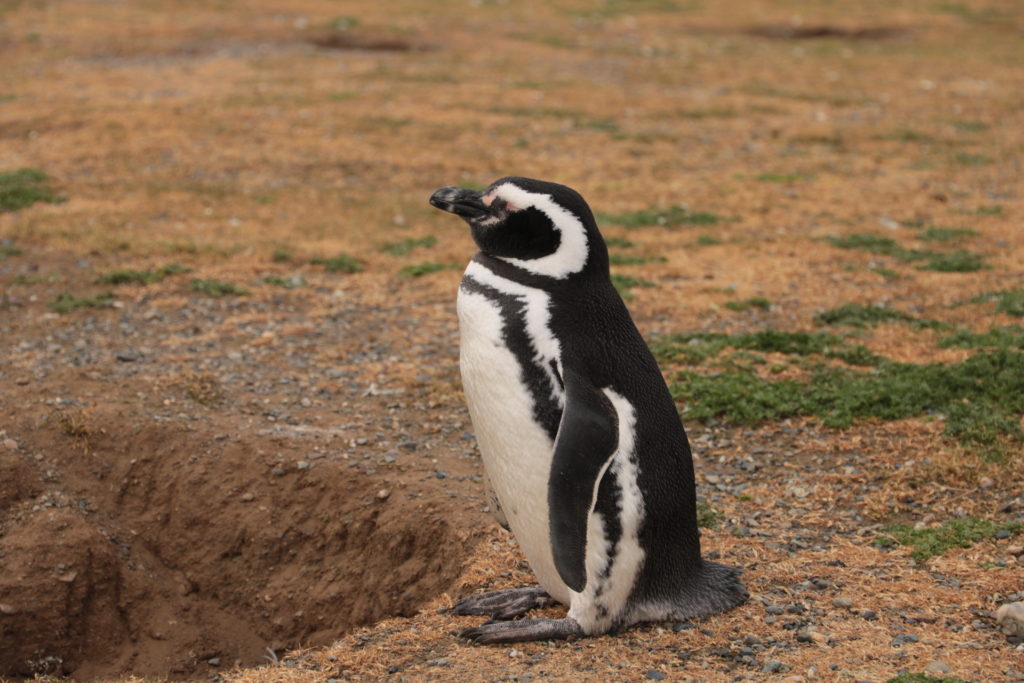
293, 282
35, 279
707, 240
281, 256
707, 516
65, 302
7, 251
421, 269
876, 244
668, 217
24, 187
866, 315
216, 288
625, 283
956, 262
933, 541
1010, 336
1008, 301
123, 276
403, 247
747, 304
785, 178
966, 159
946, 234
981, 396
887, 273
342, 263
697, 347
632, 260
992, 210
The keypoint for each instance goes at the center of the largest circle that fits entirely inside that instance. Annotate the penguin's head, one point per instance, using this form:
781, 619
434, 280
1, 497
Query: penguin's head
544, 228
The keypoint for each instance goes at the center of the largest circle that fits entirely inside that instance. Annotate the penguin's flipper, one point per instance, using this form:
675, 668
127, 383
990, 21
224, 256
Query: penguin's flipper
587, 438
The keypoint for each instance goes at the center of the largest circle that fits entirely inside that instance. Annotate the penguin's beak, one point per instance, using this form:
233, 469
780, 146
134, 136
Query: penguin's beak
462, 202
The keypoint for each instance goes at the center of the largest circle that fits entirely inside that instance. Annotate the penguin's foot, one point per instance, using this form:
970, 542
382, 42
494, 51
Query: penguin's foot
504, 604
494, 632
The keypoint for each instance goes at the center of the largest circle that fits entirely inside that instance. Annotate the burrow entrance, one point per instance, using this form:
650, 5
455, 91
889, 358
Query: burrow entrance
169, 550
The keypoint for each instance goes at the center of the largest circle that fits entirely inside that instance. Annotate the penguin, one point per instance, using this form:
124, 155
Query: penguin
577, 431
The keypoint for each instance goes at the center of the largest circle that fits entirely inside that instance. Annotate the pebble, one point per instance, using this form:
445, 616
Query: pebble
844, 603
1002, 533
383, 494
774, 609
7, 609
655, 675
278, 472
869, 614
10, 444
440, 474
213, 661
248, 497
903, 638
303, 465
804, 637
820, 584
681, 626
938, 668
1010, 618
127, 356
773, 666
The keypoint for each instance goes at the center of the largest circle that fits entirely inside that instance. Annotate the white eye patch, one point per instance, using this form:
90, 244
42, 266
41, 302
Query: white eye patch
489, 198
572, 252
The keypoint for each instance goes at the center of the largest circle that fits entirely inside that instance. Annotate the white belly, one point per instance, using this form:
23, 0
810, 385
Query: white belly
516, 450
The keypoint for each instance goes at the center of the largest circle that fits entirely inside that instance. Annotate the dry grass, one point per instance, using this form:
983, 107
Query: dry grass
245, 140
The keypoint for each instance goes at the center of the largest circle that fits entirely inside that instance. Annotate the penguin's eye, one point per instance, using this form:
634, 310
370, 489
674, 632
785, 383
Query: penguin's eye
499, 205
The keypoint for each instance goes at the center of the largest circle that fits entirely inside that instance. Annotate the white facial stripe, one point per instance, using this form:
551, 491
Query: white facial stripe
571, 255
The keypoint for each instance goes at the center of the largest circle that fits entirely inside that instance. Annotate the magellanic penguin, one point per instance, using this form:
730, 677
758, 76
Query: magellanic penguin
578, 434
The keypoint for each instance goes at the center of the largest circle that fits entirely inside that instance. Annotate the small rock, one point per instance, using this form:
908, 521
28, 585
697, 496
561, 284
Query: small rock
986, 483
303, 465
681, 626
869, 614
213, 661
818, 638
10, 444
803, 637
514, 653
1002, 533
248, 497
440, 474
774, 609
655, 675
773, 666
937, 668
127, 356
820, 584
383, 494
903, 638
844, 603
68, 577
7, 609
1010, 618
278, 472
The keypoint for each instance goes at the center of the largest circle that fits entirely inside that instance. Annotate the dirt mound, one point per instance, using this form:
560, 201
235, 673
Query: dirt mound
158, 548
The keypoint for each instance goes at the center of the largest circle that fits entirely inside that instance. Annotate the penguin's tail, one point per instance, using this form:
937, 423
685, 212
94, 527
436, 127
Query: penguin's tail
713, 588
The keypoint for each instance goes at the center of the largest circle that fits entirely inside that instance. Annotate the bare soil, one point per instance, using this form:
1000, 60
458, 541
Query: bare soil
283, 485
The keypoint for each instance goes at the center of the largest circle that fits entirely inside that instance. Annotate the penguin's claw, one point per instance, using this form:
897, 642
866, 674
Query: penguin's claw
526, 630
504, 604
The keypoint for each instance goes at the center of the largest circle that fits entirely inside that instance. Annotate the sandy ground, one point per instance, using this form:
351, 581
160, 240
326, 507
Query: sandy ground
287, 479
